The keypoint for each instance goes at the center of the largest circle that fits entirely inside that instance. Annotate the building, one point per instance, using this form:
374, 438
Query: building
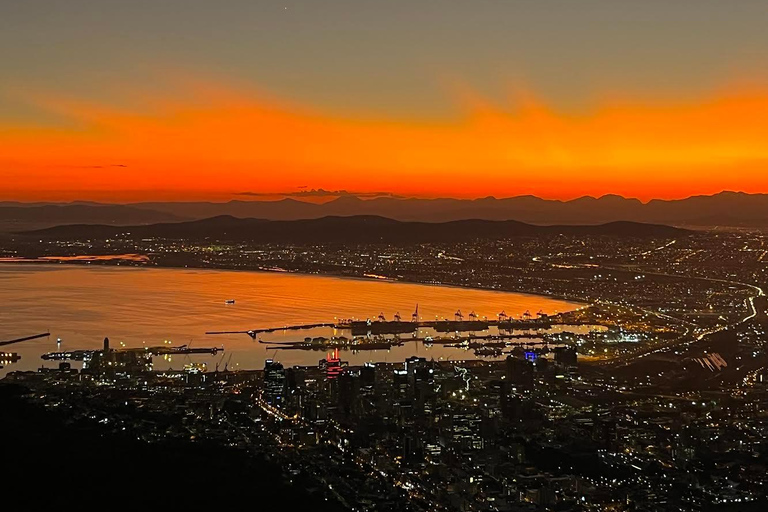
274, 382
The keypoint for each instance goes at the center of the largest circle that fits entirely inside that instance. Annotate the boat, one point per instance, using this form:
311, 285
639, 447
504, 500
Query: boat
229, 301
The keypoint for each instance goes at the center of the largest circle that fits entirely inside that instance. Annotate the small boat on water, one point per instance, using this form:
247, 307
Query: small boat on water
229, 301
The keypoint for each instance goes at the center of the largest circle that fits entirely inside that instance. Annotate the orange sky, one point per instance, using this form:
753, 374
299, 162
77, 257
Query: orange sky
213, 142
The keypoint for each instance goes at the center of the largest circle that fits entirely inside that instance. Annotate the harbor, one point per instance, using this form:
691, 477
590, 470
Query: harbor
143, 307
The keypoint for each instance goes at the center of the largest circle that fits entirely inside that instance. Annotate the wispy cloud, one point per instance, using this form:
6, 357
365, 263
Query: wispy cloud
108, 166
319, 193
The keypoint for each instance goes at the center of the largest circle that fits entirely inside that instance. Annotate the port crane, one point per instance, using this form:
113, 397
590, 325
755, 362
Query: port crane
397, 317
472, 316
219, 362
381, 317
502, 316
458, 316
415, 315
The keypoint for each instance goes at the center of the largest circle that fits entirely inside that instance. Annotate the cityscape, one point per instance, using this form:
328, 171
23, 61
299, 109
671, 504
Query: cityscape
647, 396
400, 256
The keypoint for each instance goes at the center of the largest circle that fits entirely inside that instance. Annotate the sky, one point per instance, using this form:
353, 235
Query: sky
200, 100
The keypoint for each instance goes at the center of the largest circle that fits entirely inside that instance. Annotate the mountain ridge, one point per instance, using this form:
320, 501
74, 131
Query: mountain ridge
338, 229
725, 209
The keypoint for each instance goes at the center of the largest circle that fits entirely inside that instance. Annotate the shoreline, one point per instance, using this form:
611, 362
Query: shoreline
115, 262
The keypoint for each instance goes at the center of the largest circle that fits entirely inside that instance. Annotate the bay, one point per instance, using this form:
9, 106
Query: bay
137, 306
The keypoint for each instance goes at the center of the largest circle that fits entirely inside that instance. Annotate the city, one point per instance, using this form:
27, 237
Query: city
361, 256
657, 404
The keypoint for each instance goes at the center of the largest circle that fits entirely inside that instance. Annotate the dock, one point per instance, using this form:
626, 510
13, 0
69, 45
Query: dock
254, 332
363, 327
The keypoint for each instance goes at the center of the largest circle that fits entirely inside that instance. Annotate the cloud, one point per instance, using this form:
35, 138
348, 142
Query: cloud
108, 166
320, 193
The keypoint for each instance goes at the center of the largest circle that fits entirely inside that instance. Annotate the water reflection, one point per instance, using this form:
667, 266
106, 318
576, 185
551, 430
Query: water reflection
146, 306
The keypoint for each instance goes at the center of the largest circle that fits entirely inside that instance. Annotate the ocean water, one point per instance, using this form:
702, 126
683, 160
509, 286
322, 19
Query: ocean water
136, 306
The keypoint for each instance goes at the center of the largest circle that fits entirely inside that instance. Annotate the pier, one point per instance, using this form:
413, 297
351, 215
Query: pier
25, 338
253, 333
364, 343
396, 326
81, 355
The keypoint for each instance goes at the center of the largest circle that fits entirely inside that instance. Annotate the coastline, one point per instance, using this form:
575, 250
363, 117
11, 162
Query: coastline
111, 261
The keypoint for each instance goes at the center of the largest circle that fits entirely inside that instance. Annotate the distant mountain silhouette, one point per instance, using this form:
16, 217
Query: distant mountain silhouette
19, 217
358, 229
724, 209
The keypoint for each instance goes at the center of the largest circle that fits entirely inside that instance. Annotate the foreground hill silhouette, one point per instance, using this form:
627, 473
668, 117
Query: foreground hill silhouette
357, 229
51, 457
734, 209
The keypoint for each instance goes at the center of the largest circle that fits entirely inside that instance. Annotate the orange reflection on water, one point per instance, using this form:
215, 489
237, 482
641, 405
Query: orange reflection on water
144, 306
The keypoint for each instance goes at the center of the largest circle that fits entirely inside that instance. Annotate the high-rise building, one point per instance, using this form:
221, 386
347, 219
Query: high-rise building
274, 382
368, 378
519, 371
565, 357
400, 384
333, 366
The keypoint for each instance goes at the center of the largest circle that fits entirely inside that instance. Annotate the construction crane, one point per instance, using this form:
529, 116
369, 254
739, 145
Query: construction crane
219, 362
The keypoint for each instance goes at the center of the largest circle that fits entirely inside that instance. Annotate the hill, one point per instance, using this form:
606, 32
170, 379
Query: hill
356, 229
726, 209
20, 217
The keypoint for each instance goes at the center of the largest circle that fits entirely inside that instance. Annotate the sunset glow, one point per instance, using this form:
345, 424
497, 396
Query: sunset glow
214, 143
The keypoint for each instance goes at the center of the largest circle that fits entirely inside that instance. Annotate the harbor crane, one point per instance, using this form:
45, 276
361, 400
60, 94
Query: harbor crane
397, 317
415, 315
219, 362
472, 315
502, 317
527, 315
381, 317
458, 316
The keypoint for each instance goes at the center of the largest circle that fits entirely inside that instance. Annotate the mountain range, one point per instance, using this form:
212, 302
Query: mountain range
355, 229
725, 209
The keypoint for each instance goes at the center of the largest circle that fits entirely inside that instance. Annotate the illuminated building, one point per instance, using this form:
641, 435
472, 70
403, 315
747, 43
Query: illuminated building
274, 382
